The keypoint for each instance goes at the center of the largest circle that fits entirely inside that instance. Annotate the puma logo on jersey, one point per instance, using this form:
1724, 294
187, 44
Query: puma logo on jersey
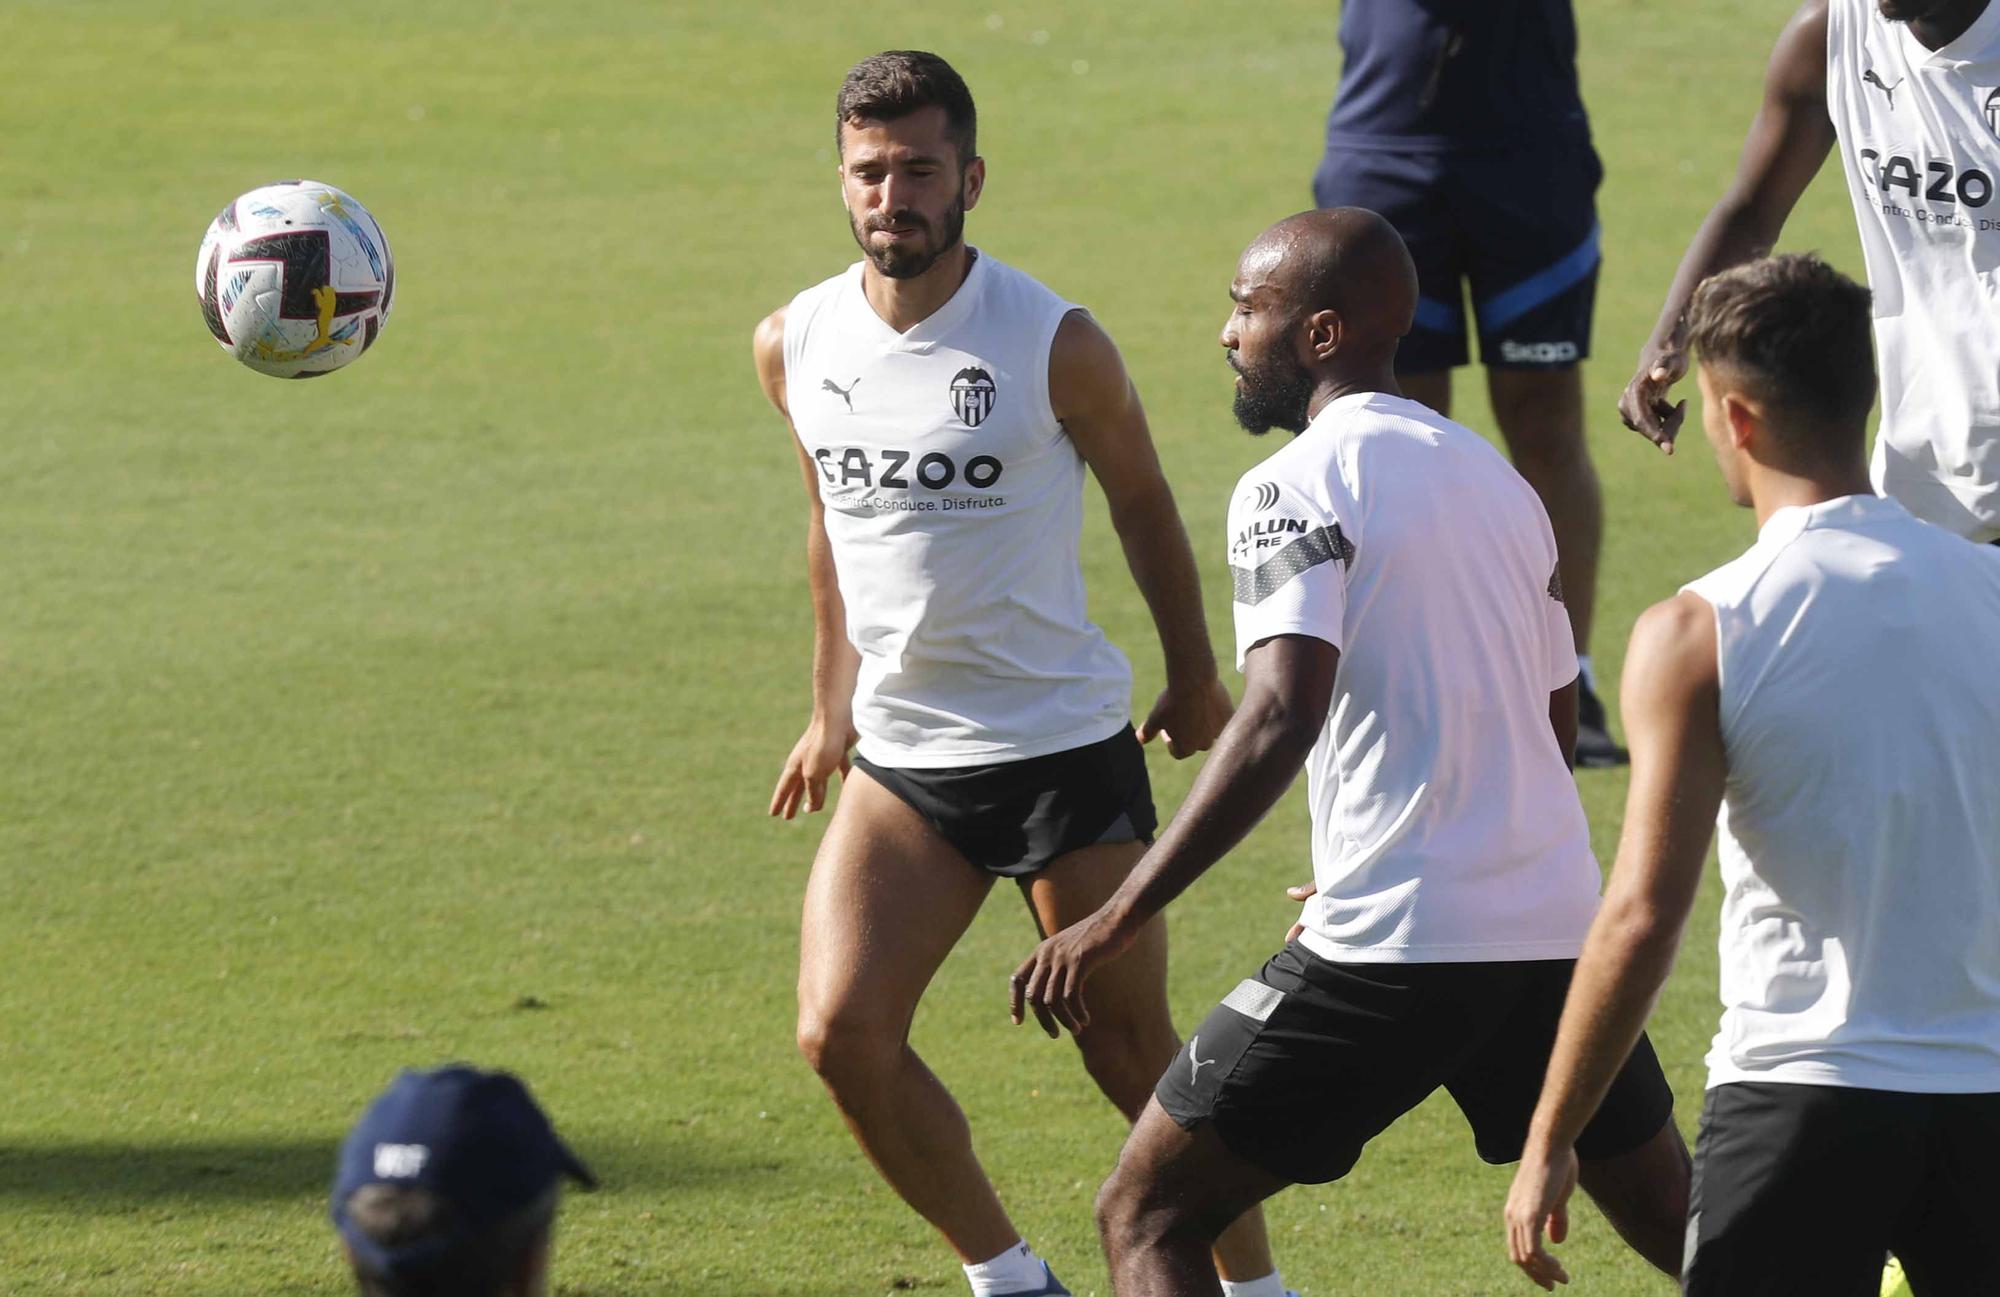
1196, 1064
845, 394
1888, 91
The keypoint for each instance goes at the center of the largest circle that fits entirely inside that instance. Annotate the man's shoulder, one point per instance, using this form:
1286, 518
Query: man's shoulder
1006, 281
809, 300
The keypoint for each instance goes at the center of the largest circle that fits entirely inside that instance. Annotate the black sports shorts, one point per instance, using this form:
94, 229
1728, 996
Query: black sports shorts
1014, 817
1806, 1188
1300, 1066
1518, 227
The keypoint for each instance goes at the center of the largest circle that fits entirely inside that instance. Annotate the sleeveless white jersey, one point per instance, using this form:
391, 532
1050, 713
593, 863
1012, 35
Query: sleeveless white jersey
1919, 136
954, 504
1860, 827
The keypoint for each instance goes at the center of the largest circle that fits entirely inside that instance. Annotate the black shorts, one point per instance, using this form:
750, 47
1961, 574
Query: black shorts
1520, 227
1301, 1066
1806, 1188
1014, 817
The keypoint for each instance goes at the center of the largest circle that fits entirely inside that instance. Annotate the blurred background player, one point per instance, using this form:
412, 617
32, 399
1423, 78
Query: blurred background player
1461, 122
448, 1185
1828, 703
945, 407
1907, 88
1403, 640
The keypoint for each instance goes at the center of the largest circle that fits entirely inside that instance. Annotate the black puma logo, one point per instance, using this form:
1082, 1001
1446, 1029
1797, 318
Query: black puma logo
1888, 90
828, 385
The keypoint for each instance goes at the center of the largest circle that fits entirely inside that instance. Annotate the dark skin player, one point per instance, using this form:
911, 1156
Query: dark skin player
1321, 301
1789, 140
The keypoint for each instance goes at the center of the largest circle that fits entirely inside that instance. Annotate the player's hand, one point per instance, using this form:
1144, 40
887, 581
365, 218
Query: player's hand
1189, 717
1540, 1200
1302, 893
1051, 981
1644, 406
820, 751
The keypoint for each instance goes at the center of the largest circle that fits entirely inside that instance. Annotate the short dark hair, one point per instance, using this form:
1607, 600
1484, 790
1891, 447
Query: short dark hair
1796, 333
896, 83
480, 1265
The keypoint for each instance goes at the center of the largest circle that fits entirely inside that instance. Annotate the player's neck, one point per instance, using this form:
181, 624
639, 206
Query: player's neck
905, 303
1772, 489
1334, 386
1937, 30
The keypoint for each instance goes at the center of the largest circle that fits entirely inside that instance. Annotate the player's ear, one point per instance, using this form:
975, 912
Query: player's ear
1744, 417
1323, 332
974, 183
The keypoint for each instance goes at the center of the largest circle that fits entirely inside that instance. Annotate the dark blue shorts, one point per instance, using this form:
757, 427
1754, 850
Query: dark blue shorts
1519, 227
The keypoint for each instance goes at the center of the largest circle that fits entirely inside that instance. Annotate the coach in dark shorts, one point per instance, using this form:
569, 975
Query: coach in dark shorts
1460, 121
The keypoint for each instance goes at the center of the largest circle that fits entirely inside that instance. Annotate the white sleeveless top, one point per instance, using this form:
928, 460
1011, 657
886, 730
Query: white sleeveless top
954, 504
1920, 140
1860, 828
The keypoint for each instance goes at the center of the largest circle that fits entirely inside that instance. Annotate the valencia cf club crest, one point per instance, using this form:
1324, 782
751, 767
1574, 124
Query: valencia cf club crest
972, 395
1993, 111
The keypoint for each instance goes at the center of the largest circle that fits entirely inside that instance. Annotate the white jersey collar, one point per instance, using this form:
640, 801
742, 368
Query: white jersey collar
924, 334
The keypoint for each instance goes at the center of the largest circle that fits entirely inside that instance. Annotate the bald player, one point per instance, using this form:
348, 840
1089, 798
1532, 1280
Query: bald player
1402, 636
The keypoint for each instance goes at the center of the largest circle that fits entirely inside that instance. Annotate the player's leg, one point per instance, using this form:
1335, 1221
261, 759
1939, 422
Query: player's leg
1173, 1193
1532, 260
1945, 1236
1130, 1039
1404, 189
1644, 1194
1540, 413
1634, 1165
887, 900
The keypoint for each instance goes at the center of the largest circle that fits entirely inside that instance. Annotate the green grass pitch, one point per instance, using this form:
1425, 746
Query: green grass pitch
429, 712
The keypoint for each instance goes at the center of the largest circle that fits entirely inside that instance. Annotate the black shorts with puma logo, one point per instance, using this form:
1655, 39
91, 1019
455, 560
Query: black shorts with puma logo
1300, 1066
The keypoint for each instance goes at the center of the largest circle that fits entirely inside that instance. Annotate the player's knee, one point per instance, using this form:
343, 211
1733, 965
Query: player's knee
844, 1050
1121, 1220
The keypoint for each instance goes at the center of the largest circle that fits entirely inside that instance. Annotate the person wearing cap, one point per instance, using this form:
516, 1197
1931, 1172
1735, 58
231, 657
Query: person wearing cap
447, 1187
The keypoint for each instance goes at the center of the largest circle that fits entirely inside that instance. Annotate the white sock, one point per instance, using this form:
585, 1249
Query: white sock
1017, 1269
1583, 670
1269, 1286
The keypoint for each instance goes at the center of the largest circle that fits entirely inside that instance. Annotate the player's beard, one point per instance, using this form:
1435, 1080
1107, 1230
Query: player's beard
899, 262
1273, 394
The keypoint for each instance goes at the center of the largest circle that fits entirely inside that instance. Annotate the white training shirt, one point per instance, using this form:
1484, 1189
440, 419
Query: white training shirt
1446, 826
954, 504
1860, 828
1920, 140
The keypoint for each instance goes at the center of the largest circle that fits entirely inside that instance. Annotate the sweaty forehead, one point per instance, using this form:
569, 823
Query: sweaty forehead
1259, 272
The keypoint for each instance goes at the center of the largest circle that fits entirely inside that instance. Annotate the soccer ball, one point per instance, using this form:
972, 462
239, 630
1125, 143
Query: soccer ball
294, 279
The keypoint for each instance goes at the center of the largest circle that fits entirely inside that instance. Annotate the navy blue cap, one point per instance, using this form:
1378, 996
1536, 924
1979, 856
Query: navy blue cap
475, 1139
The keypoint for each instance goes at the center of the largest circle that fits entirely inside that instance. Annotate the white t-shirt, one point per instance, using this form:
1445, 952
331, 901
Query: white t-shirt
1860, 827
1920, 141
954, 506
1446, 826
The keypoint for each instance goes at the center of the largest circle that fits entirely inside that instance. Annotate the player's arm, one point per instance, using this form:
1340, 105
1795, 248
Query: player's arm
1287, 691
822, 749
1100, 410
1671, 696
1789, 140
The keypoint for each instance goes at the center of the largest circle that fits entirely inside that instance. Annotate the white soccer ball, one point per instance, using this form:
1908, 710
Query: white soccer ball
295, 279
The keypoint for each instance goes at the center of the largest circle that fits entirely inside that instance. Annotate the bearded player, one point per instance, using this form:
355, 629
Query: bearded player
945, 406
1908, 90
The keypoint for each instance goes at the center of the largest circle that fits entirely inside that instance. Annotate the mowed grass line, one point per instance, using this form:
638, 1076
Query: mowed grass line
428, 712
